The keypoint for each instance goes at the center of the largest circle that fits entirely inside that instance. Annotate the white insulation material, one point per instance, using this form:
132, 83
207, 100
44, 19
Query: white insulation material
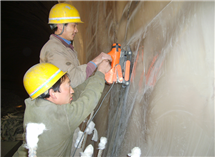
90, 128
135, 152
95, 135
101, 146
79, 139
33, 130
168, 109
88, 152
102, 143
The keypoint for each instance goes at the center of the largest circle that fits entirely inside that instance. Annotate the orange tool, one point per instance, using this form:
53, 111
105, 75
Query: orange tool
120, 71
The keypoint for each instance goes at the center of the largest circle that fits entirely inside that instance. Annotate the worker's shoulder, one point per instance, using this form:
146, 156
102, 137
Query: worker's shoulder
28, 100
53, 41
53, 45
39, 104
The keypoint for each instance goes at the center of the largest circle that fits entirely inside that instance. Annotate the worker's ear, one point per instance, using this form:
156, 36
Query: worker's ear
52, 94
60, 27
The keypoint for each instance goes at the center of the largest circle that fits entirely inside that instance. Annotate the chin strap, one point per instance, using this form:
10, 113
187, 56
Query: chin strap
62, 30
52, 26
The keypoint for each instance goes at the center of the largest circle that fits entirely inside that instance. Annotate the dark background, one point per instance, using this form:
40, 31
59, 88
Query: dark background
24, 30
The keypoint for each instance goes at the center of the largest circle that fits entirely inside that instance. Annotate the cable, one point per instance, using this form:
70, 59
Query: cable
117, 112
92, 118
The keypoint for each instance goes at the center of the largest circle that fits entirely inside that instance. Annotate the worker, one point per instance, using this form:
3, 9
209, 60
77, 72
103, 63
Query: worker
58, 106
64, 19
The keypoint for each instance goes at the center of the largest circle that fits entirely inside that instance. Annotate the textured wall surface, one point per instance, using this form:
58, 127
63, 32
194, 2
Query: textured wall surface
168, 109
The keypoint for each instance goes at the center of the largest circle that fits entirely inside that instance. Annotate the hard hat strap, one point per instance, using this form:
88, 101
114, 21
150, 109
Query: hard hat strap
53, 26
62, 30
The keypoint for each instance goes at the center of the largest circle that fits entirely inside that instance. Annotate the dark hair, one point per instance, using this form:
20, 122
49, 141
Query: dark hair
55, 87
54, 26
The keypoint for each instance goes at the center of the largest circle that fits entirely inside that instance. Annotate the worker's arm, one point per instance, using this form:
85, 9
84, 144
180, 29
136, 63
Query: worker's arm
79, 89
78, 110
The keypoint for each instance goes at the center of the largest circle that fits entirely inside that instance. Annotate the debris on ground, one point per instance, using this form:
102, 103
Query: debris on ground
12, 113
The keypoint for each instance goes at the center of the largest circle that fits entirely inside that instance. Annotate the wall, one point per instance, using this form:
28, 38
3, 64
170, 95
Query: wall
168, 107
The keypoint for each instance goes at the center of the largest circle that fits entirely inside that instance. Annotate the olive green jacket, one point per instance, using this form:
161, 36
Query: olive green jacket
63, 56
62, 120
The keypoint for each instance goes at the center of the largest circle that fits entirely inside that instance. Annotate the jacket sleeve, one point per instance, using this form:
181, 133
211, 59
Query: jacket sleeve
78, 110
79, 89
55, 54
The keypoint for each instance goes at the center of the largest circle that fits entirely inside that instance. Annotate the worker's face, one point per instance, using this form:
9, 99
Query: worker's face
70, 31
65, 94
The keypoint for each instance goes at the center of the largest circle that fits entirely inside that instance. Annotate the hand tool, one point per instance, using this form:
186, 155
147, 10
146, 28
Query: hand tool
121, 65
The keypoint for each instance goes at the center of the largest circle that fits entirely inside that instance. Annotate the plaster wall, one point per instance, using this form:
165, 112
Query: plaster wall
168, 109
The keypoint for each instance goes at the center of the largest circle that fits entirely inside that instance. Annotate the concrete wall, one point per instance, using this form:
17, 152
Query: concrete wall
168, 109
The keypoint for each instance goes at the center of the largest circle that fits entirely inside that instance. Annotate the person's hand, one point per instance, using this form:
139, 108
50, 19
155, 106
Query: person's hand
104, 66
102, 56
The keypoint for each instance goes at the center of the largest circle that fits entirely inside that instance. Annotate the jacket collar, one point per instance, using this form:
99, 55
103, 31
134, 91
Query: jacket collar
63, 42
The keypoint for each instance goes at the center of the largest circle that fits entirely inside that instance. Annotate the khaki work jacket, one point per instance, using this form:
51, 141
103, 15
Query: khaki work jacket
64, 57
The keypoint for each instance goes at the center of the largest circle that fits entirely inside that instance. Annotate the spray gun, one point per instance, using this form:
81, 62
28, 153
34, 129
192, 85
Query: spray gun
121, 63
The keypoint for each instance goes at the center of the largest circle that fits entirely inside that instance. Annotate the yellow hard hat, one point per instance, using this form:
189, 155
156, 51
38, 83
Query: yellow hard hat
64, 13
39, 78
